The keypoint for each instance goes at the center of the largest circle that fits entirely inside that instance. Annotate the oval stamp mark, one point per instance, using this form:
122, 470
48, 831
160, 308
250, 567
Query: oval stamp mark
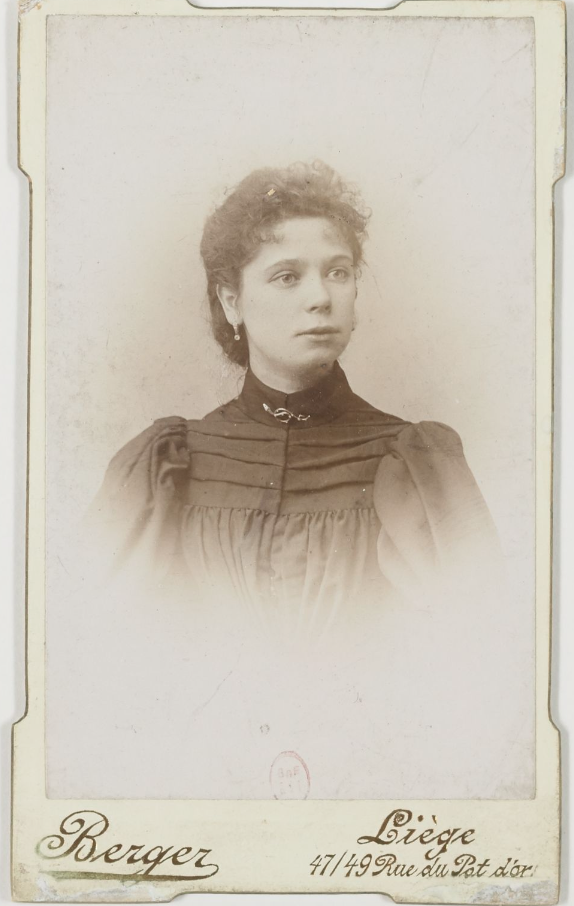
289, 777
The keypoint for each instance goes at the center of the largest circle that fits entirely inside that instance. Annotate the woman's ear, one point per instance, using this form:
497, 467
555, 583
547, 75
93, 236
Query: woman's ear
229, 299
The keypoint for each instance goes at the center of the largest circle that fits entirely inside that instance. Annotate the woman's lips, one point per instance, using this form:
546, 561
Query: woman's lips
318, 332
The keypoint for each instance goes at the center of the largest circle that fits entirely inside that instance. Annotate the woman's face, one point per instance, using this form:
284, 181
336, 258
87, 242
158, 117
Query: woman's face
296, 303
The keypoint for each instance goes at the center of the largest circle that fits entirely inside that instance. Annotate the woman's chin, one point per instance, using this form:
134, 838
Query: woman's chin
322, 353
321, 361
309, 372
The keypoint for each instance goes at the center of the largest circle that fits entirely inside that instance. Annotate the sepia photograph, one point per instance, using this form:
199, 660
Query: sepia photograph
289, 451
290, 319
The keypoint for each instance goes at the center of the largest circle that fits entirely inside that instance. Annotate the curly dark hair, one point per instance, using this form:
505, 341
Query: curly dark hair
247, 218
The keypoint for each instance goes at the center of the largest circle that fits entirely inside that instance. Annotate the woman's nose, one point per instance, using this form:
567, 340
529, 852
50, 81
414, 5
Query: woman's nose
318, 297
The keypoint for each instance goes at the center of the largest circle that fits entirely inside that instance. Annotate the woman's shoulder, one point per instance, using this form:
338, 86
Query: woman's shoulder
425, 464
423, 436
423, 450
164, 438
229, 411
429, 436
167, 437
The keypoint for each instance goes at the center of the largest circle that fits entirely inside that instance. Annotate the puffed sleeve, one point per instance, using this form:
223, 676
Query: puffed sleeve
462, 682
436, 526
134, 519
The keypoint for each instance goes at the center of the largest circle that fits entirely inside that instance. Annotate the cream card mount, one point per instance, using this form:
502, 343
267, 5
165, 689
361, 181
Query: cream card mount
290, 451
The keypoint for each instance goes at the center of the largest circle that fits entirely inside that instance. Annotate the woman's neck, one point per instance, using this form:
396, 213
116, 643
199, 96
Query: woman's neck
290, 383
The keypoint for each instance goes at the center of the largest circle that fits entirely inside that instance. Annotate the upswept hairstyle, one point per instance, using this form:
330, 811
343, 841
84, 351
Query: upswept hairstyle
248, 217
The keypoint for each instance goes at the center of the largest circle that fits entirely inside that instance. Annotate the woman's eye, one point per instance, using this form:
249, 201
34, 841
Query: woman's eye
285, 279
339, 273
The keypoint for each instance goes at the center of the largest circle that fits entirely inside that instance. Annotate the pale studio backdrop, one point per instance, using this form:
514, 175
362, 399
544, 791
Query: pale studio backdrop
151, 120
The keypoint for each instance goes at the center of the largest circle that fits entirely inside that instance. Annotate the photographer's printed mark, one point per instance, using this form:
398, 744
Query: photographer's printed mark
79, 841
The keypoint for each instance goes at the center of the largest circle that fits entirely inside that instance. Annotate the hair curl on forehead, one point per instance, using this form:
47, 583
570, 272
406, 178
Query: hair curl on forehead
249, 217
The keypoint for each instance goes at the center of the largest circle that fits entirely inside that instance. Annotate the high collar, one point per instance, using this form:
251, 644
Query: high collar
322, 402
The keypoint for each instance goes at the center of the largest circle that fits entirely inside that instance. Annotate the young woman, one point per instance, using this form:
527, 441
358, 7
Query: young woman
297, 571
298, 502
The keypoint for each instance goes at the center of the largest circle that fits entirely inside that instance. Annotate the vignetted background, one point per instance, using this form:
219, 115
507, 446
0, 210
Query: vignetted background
151, 120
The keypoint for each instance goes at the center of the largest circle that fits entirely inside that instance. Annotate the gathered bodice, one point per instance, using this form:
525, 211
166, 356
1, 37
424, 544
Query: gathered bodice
258, 585
293, 521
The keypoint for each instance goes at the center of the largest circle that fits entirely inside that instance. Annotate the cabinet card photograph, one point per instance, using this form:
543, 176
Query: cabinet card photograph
289, 451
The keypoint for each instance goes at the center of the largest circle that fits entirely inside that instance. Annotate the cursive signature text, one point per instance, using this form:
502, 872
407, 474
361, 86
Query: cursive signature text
80, 840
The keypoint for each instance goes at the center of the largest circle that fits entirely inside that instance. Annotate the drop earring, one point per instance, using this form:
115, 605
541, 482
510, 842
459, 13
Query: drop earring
236, 329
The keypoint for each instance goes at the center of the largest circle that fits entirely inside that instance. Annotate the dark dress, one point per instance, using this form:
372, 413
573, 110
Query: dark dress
293, 523
317, 586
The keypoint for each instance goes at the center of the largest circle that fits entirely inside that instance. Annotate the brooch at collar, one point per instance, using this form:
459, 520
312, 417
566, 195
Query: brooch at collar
284, 415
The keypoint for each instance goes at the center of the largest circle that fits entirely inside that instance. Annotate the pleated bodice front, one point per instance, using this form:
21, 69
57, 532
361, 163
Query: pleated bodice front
293, 521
